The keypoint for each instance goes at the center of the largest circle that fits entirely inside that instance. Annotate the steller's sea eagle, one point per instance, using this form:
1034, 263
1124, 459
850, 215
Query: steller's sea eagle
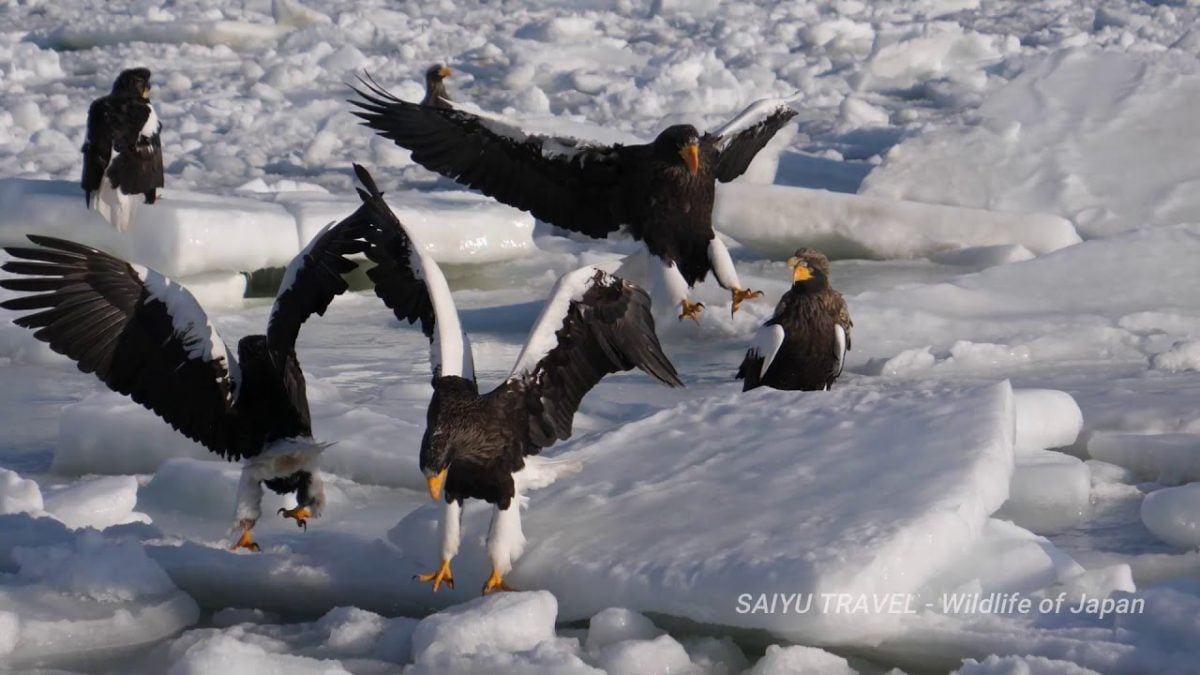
804, 344
661, 191
146, 337
435, 86
483, 446
122, 155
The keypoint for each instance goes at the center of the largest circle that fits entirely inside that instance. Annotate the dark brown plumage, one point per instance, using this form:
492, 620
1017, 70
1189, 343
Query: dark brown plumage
123, 143
662, 191
435, 86
803, 345
475, 444
146, 337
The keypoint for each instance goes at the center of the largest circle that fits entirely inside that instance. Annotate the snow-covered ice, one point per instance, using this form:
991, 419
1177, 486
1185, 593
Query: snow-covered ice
949, 154
775, 220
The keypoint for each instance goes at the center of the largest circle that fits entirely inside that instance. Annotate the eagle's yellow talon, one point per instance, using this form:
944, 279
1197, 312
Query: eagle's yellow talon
245, 542
441, 576
496, 583
691, 310
741, 295
300, 514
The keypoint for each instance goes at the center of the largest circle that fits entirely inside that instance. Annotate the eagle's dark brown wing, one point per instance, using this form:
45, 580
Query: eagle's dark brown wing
593, 325
562, 181
741, 138
142, 334
314, 277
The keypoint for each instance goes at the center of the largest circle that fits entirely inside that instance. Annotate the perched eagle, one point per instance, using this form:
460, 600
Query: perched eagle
804, 345
146, 337
435, 86
122, 155
483, 446
662, 191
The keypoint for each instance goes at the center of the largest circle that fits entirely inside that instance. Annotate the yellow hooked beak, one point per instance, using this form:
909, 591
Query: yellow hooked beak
445, 72
691, 156
146, 92
435, 484
800, 271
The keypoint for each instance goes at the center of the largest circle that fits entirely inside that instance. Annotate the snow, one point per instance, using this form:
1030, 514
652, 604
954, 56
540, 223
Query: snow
1173, 515
1066, 154
18, 495
505, 622
968, 145
98, 502
659, 656
1046, 418
185, 233
800, 659
772, 219
617, 624
1050, 491
1021, 665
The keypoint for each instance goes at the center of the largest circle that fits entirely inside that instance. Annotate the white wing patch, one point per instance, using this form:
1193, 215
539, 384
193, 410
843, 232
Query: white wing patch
542, 338
839, 348
191, 324
755, 113
766, 344
451, 351
152, 125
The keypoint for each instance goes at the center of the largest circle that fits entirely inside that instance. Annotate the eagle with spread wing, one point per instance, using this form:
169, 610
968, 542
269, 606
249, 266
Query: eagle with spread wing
146, 336
485, 445
662, 191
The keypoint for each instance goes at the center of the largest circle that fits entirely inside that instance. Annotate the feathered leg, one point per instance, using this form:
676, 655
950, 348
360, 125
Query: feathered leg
249, 508
451, 536
505, 544
727, 276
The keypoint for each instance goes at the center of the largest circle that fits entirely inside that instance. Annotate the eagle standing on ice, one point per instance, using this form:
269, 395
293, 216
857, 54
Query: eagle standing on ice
146, 337
662, 191
804, 345
484, 446
122, 155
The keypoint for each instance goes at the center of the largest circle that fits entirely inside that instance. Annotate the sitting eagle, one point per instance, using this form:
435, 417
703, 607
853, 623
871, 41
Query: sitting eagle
122, 155
804, 344
661, 191
146, 337
484, 446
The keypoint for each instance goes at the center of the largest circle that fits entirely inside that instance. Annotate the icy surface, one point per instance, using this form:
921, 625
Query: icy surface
1173, 515
19, 495
1050, 491
1079, 112
800, 659
98, 502
775, 220
1067, 153
1046, 419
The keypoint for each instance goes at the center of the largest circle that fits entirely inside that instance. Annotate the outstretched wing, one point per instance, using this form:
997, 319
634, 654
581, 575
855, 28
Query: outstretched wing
739, 140
142, 334
594, 324
411, 284
562, 181
314, 277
